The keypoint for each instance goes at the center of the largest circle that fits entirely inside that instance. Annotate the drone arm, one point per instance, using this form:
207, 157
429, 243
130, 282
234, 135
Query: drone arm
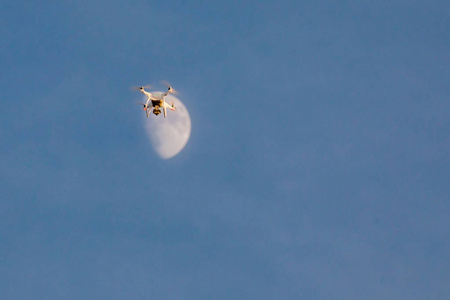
147, 94
170, 90
169, 106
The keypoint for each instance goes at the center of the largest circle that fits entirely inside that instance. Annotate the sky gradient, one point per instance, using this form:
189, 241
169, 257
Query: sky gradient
317, 168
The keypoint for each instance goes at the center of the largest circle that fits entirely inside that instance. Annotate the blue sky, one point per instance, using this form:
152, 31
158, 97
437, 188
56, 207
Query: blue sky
317, 168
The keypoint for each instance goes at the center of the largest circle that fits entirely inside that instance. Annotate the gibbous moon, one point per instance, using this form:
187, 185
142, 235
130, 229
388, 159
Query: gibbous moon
168, 136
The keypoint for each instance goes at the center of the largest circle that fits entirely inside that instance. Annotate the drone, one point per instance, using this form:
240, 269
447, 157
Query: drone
156, 101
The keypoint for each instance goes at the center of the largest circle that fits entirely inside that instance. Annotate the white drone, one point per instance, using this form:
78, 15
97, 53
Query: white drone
156, 101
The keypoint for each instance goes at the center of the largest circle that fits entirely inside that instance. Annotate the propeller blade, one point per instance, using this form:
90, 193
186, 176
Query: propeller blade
165, 82
137, 88
140, 103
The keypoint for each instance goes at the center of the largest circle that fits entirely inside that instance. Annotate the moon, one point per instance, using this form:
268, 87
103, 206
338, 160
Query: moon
168, 136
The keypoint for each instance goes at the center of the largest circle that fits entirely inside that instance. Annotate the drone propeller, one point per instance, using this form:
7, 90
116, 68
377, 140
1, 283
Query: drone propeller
137, 88
143, 104
167, 84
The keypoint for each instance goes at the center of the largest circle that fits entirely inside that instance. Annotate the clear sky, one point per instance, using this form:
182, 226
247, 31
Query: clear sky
318, 165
